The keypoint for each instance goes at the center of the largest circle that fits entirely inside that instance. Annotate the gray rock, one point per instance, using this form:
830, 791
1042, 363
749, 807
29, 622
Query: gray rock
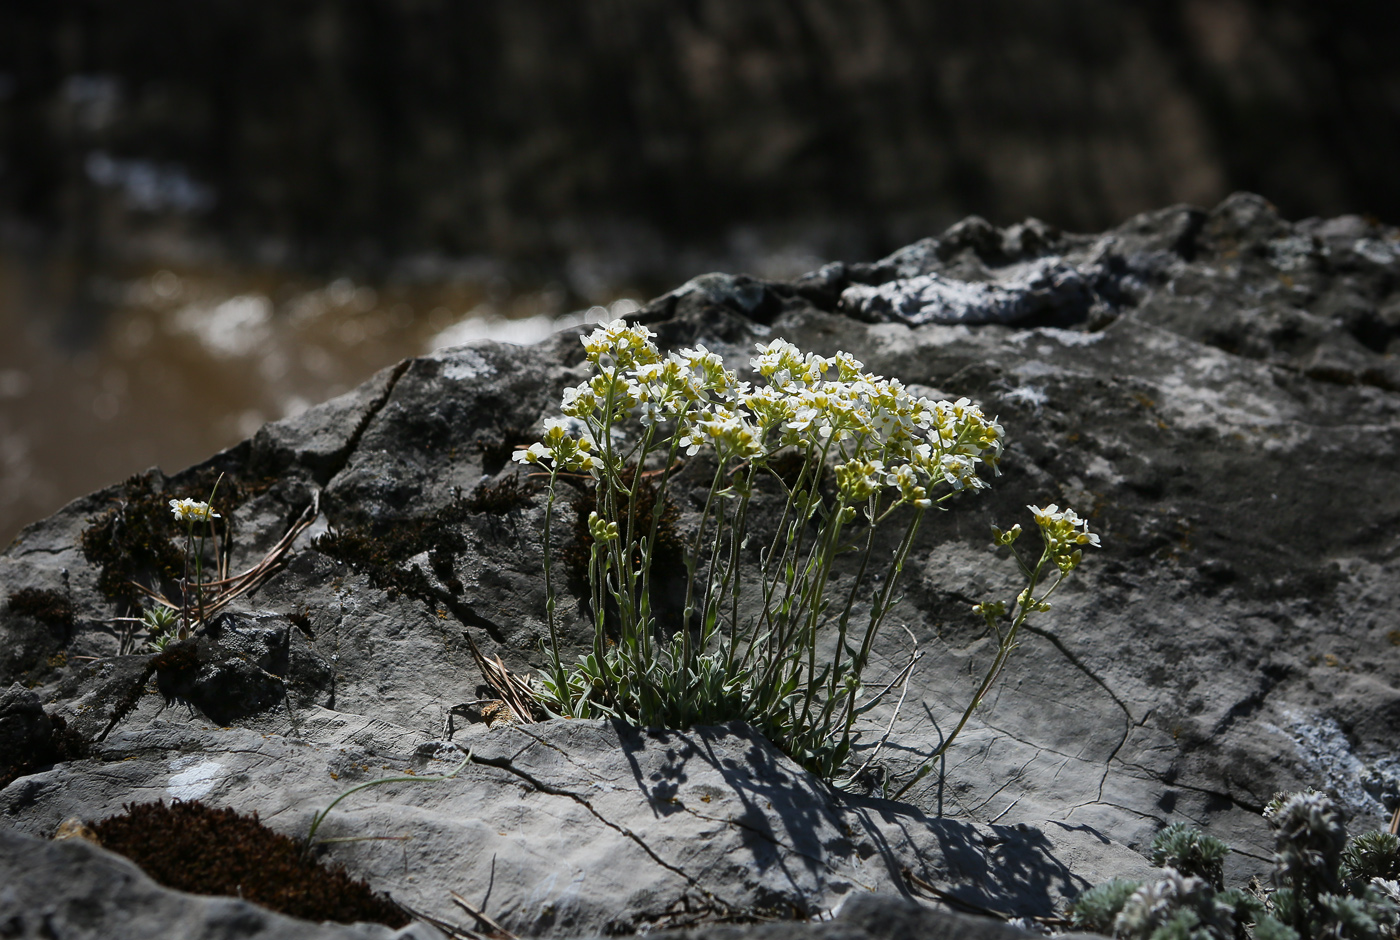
23, 723
569, 827
1046, 287
75, 890
1220, 406
870, 917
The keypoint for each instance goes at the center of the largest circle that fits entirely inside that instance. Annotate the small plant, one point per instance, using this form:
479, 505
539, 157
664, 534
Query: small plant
1176, 907
847, 452
1191, 852
162, 623
1369, 857
201, 597
1097, 908
191, 512
1325, 888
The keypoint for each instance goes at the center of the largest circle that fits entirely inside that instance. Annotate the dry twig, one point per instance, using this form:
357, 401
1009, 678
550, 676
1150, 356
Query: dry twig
512, 689
482, 917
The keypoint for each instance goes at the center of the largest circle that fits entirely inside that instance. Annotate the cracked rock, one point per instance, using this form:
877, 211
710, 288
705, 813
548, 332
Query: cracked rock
1213, 389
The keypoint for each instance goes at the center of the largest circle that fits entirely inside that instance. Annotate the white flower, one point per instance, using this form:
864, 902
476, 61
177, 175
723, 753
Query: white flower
1063, 533
960, 471
579, 401
192, 510
617, 344
531, 454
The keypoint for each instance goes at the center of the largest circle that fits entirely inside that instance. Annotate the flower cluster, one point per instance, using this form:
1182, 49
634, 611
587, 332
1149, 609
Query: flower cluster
629, 421
1064, 532
573, 454
880, 435
192, 510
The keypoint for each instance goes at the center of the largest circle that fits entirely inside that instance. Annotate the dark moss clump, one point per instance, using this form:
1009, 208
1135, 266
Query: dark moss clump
129, 541
48, 607
669, 555
61, 743
136, 539
381, 554
196, 848
497, 446
178, 661
501, 496
301, 619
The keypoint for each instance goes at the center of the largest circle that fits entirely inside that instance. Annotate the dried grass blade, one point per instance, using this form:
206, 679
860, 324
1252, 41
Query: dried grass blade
482, 917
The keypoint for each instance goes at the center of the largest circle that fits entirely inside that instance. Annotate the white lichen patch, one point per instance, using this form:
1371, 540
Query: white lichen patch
1070, 338
1100, 468
466, 365
1325, 753
1291, 253
1374, 249
1016, 291
1032, 395
195, 782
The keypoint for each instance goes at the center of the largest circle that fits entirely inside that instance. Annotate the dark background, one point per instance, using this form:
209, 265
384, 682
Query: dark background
338, 183
529, 129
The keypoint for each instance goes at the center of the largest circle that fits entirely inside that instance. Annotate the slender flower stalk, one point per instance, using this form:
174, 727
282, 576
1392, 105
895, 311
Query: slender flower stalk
193, 512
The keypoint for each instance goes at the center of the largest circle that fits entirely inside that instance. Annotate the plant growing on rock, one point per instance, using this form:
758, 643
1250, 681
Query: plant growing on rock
1325, 888
162, 623
191, 512
850, 453
1192, 853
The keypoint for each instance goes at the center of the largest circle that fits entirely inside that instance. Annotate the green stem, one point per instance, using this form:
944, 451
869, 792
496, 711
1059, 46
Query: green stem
770, 572
692, 558
658, 508
1003, 652
321, 816
814, 606
560, 677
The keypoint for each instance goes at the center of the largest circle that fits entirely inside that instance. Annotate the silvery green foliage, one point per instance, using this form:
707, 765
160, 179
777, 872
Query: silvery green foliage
1309, 837
1176, 907
1364, 916
1371, 856
1191, 852
1097, 908
1269, 928
1326, 888
1312, 897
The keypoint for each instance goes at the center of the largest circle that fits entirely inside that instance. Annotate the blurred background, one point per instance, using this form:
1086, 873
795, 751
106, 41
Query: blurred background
215, 213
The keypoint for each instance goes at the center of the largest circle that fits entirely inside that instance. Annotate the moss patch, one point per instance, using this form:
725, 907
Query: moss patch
497, 446
137, 539
669, 555
381, 552
62, 744
501, 496
48, 607
196, 848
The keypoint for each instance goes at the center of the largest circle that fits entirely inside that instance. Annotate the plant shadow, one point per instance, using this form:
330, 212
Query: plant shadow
798, 830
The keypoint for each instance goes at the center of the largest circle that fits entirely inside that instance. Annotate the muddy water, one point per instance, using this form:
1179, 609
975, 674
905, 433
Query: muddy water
165, 367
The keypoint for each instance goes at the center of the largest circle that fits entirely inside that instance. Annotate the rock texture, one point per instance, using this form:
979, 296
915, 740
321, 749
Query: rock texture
1217, 390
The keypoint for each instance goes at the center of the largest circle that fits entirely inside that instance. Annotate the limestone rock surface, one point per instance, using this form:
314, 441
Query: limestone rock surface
1217, 391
